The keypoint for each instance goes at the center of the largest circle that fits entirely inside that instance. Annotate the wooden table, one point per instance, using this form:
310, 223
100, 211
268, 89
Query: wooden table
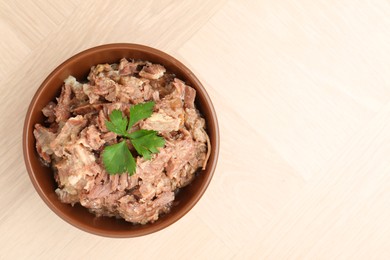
302, 92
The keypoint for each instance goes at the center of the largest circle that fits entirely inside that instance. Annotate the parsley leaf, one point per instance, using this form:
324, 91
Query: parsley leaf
146, 142
139, 112
117, 123
117, 158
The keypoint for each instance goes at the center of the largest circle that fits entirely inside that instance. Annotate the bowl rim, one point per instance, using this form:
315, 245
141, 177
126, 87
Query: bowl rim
28, 122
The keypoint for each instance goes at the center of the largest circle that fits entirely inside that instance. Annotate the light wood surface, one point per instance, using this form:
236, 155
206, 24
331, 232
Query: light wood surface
302, 92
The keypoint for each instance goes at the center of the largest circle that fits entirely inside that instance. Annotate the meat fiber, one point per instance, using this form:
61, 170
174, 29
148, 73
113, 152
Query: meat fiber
44, 137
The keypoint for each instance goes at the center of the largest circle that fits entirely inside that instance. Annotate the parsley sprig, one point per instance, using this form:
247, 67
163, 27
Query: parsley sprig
117, 158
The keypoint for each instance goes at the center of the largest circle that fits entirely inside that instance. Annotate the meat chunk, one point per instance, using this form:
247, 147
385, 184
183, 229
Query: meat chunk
129, 68
130, 91
76, 170
196, 125
142, 213
147, 91
87, 108
109, 138
189, 97
62, 110
101, 121
100, 191
156, 96
164, 199
147, 190
182, 152
77, 88
106, 87
43, 137
152, 170
67, 134
161, 122
49, 112
90, 138
100, 71
179, 88
66, 197
152, 71
92, 96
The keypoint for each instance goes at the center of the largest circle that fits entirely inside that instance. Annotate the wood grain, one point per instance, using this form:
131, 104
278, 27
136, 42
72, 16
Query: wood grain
302, 94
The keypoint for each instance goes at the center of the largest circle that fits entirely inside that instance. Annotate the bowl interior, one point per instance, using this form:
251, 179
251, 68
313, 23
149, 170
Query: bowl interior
42, 177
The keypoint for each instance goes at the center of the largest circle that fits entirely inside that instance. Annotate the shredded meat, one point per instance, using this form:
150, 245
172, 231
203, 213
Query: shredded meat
129, 68
48, 111
62, 110
75, 136
152, 71
162, 122
77, 88
90, 137
44, 137
68, 134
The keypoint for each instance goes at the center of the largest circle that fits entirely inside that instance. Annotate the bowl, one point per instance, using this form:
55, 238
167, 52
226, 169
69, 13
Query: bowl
42, 177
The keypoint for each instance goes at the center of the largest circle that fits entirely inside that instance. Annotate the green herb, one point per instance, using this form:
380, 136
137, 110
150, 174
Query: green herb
118, 123
146, 142
117, 158
139, 112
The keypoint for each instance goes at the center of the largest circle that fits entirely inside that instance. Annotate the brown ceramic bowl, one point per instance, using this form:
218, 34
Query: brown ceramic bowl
42, 177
